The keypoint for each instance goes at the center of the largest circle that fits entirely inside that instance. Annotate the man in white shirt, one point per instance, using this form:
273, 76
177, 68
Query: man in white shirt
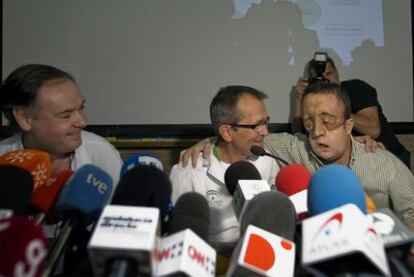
239, 118
45, 104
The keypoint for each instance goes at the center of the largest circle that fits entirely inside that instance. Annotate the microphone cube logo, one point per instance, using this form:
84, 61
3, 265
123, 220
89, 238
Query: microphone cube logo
266, 253
340, 233
124, 231
329, 228
392, 230
100, 185
185, 252
245, 191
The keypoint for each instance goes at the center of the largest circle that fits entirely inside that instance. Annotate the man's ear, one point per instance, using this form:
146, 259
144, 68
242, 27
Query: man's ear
349, 124
23, 118
225, 132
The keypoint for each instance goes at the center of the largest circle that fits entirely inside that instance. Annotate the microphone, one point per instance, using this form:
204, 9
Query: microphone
191, 211
16, 185
124, 241
35, 161
371, 207
397, 240
341, 242
293, 180
332, 186
79, 204
259, 151
144, 192
23, 247
185, 251
267, 247
144, 186
43, 199
240, 170
243, 181
138, 159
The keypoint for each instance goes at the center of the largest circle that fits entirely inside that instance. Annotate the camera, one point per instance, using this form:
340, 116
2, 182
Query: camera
317, 66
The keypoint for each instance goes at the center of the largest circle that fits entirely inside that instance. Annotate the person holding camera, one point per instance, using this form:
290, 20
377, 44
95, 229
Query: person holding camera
367, 113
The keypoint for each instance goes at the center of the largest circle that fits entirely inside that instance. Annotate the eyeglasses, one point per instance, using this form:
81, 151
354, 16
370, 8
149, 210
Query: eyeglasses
328, 122
256, 127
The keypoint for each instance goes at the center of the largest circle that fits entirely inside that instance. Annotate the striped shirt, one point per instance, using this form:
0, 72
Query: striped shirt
384, 177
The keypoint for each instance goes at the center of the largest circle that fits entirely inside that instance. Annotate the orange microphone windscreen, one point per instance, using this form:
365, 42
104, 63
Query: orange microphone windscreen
370, 204
35, 161
43, 199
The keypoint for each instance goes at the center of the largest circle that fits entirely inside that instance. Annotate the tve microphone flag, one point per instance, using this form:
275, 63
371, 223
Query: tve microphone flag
35, 161
185, 253
141, 159
265, 254
125, 236
79, 204
23, 247
293, 180
341, 241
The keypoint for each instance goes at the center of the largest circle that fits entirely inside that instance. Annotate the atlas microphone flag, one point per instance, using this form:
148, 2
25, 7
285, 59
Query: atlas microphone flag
35, 161
342, 241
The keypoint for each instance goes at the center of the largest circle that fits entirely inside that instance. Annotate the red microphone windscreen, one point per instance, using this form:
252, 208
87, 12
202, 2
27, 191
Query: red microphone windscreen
23, 247
292, 179
43, 199
36, 162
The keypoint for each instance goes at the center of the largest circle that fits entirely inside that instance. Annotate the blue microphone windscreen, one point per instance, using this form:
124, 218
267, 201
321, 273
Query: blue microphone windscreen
333, 186
141, 159
85, 193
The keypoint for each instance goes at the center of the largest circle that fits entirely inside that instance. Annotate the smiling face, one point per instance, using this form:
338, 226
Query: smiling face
329, 131
55, 122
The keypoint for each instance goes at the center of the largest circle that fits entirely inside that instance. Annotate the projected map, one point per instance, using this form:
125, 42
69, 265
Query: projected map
341, 25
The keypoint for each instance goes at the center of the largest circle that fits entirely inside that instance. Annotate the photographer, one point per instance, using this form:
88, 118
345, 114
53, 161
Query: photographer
366, 110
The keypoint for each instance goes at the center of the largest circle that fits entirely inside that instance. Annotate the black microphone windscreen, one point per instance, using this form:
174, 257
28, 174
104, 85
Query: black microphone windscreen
144, 186
257, 150
240, 170
271, 211
191, 211
16, 186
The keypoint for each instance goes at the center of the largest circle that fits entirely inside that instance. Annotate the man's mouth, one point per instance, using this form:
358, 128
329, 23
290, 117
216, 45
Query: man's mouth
322, 147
